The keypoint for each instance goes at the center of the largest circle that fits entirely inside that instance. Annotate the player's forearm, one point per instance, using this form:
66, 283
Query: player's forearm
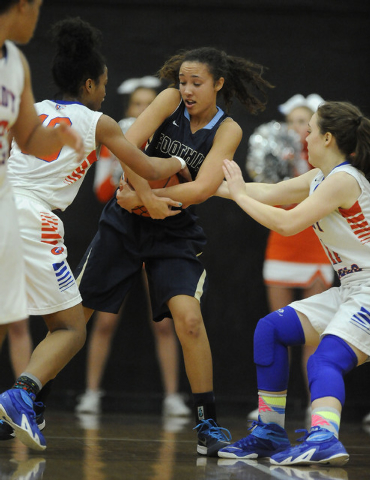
273, 218
166, 167
191, 193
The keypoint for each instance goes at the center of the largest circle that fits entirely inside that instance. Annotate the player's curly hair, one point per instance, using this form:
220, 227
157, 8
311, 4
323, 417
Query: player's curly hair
243, 78
77, 57
351, 130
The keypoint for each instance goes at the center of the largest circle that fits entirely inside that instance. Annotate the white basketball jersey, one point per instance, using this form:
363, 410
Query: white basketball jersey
345, 233
56, 179
11, 85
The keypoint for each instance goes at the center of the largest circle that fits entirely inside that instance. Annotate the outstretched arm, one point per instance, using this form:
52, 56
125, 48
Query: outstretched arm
109, 134
340, 190
286, 192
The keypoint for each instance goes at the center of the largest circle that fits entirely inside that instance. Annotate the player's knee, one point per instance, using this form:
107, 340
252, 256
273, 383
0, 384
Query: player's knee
105, 324
264, 342
281, 328
326, 368
164, 328
189, 324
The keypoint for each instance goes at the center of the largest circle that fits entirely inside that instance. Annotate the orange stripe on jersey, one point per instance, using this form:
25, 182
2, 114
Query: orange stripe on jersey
49, 227
92, 157
80, 171
356, 220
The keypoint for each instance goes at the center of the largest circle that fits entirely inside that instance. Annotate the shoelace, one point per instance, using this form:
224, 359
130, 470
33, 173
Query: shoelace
210, 427
250, 440
255, 423
308, 433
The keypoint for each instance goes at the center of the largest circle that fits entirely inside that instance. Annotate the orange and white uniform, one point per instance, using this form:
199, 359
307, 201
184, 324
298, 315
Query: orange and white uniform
344, 311
42, 185
13, 305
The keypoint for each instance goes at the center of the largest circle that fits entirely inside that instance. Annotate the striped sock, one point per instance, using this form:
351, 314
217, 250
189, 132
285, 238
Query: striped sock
326, 417
29, 383
271, 408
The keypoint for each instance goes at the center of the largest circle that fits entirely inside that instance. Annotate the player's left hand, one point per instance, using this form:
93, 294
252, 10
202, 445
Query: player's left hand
234, 178
126, 197
162, 207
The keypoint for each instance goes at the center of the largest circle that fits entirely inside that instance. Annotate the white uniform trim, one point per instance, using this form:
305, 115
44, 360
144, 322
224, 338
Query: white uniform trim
57, 179
344, 311
13, 305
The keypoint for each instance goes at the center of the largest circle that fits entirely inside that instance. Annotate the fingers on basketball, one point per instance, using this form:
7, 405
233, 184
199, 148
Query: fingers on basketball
165, 182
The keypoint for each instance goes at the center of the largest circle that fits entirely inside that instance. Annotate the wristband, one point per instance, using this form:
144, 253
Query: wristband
181, 160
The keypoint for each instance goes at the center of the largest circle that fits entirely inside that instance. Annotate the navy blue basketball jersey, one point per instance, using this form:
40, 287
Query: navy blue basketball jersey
174, 137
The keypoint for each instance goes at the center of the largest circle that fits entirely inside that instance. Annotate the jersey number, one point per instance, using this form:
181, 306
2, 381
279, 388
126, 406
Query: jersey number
53, 122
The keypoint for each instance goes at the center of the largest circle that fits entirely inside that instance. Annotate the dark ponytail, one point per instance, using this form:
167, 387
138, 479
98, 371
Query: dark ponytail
77, 56
351, 130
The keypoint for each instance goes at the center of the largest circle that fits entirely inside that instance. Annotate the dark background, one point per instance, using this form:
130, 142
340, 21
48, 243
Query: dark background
309, 47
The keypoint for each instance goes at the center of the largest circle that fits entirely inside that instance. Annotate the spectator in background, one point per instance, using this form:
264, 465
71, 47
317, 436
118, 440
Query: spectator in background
295, 263
141, 92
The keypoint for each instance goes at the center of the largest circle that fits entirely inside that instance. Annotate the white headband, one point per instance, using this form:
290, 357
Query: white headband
130, 85
312, 102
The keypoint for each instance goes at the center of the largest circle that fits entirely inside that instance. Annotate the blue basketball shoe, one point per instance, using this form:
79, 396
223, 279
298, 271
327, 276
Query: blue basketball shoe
7, 432
211, 437
265, 440
16, 409
319, 446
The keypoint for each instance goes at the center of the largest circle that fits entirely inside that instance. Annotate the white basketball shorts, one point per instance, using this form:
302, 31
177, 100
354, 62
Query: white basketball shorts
13, 304
50, 284
342, 311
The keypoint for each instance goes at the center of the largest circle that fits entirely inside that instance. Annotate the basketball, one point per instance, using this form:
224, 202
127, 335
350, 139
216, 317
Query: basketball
165, 182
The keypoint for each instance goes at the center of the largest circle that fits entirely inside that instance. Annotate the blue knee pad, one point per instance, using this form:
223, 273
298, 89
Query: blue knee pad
326, 368
273, 334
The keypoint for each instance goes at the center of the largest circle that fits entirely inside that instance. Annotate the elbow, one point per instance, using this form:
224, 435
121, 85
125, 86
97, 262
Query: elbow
285, 230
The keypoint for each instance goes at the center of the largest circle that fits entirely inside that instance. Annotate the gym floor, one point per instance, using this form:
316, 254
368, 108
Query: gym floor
143, 446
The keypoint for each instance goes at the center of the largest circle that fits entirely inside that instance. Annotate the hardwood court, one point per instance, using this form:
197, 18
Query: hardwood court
139, 446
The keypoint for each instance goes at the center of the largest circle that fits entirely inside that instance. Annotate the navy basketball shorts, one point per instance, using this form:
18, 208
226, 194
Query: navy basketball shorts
124, 242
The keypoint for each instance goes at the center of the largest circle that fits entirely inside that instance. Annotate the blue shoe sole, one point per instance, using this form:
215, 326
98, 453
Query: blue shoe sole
336, 460
266, 454
238, 457
21, 433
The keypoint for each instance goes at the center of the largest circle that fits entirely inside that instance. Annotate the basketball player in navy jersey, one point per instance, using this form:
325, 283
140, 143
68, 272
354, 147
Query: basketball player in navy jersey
187, 122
